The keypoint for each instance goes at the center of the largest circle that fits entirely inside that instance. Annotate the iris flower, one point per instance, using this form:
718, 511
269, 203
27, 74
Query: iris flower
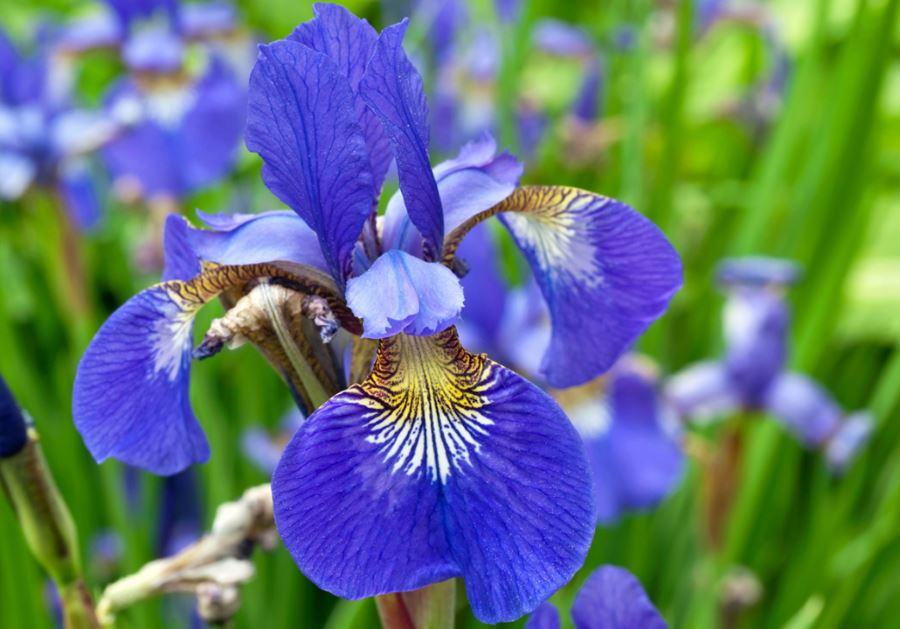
611, 598
188, 135
44, 139
439, 463
752, 375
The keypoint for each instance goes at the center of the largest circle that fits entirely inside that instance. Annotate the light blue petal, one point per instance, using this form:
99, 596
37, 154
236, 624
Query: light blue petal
402, 293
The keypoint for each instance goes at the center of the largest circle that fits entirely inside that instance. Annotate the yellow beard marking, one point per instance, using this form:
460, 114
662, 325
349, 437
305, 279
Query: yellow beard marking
424, 399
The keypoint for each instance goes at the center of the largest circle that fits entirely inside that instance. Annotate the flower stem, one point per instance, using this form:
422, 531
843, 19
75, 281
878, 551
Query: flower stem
430, 607
48, 528
722, 476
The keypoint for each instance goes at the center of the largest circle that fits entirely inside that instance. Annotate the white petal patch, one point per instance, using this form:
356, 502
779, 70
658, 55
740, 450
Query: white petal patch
425, 401
171, 334
559, 235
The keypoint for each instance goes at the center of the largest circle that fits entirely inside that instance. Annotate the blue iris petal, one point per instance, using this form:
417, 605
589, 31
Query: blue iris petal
605, 271
181, 260
349, 42
252, 239
852, 435
472, 182
79, 195
203, 19
130, 399
442, 464
757, 271
393, 89
703, 391
636, 461
191, 146
612, 598
756, 323
803, 407
303, 123
544, 617
13, 434
155, 49
401, 293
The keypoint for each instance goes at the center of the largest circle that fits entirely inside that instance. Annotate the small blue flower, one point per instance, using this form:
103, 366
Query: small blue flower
390, 484
611, 598
752, 376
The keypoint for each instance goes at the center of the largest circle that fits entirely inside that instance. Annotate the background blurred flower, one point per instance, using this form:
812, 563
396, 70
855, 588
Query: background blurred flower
44, 140
611, 598
752, 377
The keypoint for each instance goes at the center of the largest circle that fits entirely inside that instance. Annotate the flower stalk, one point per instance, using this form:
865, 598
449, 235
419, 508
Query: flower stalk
722, 476
48, 528
430, 607
212, 568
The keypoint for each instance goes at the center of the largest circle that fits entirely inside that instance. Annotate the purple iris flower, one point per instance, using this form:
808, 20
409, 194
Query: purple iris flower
752, 375
611, 598
440, 463
13, 433
188, 136
44, 140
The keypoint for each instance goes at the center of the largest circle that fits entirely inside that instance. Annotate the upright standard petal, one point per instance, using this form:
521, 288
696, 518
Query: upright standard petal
606, 272
441, 464
612, 598
302, 122
756, 324
472, 182
393, 89
757, 271
349, 42
401, 293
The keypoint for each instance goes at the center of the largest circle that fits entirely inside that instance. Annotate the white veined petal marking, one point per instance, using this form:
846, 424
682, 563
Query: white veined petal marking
559, 233
171, 333
425, 403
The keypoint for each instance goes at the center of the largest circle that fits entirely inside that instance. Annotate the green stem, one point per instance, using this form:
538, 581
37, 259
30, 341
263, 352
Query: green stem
430, 607
48, 528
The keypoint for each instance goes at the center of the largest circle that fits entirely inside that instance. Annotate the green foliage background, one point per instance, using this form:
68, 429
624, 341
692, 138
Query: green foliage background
819, 185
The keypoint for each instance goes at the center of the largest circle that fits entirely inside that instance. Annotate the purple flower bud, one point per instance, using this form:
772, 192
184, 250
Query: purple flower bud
13, 434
